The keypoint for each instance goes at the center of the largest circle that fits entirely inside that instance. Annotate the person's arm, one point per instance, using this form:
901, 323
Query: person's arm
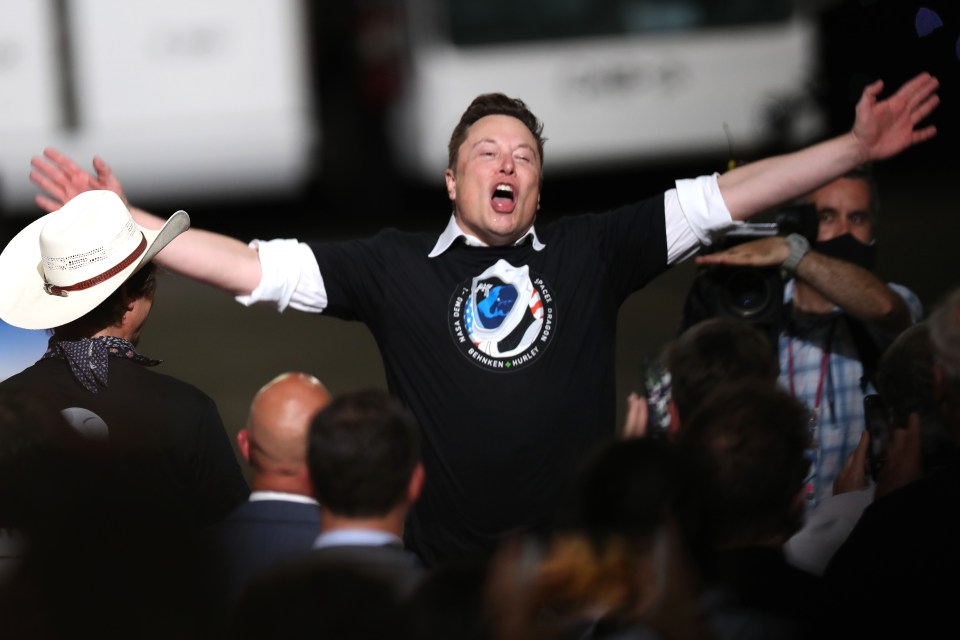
850, 287
213, 258
882, 128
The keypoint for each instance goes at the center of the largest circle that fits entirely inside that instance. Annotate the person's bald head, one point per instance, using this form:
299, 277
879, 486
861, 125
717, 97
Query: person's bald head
275, 439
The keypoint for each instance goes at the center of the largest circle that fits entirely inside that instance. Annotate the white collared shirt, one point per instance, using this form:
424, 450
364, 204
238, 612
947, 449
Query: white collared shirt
257, 496
694, 213
355, 537
453, 231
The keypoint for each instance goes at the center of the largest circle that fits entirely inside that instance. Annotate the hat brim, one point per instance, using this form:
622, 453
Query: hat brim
25, 303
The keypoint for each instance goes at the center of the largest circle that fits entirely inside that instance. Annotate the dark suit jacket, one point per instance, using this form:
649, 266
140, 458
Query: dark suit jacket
752, 592
167, 445
255, 537
392, 564
897, 570
339, 592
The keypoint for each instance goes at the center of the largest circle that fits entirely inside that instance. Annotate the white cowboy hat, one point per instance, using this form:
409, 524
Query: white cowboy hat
63, 265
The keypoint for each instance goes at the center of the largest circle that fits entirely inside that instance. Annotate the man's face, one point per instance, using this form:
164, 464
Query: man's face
495, 186
843, 206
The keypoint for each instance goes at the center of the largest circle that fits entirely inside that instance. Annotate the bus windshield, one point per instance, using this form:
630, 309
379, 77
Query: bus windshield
490, 22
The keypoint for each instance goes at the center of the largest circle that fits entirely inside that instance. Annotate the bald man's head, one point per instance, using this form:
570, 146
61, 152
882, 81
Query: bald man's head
275, 439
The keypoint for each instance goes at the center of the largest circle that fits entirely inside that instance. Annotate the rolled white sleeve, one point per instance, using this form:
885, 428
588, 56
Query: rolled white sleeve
290, 277
695, 213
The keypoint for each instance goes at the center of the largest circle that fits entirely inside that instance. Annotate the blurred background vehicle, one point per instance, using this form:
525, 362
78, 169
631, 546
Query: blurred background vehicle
197, 99
616, 81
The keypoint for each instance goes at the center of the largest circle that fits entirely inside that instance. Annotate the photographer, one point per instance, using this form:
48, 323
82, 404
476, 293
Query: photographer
839, 316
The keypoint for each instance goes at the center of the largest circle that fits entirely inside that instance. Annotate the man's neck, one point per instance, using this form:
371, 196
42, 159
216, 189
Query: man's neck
280, 484
490, 240
115, 332
391, 523
78, 333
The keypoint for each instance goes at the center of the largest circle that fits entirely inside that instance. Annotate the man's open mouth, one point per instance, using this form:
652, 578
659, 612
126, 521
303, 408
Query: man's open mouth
503, 198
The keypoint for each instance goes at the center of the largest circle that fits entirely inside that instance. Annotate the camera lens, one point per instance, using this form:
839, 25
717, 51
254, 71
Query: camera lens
746, 292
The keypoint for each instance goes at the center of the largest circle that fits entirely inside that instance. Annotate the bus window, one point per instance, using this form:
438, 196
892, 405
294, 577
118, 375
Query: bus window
481, 23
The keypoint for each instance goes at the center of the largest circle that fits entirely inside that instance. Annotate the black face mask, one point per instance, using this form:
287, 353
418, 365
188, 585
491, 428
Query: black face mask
848, 248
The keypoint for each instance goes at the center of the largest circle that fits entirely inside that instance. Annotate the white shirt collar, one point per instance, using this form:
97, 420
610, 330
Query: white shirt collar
453, 231
256, 496
355, 537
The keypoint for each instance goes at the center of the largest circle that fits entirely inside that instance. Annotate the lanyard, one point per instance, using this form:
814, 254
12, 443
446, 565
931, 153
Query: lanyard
824, 367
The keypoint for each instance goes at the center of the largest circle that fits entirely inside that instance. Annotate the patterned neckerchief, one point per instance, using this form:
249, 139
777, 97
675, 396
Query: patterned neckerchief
89, 358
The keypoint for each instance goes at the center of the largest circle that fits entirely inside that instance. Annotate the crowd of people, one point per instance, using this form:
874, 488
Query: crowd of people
487, 493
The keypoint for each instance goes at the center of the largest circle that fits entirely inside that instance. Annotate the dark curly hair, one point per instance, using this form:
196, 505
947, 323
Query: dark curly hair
142, 284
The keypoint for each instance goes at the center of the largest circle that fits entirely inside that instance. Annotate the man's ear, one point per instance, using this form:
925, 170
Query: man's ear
451, 180
415, 485
243, 443
128, 300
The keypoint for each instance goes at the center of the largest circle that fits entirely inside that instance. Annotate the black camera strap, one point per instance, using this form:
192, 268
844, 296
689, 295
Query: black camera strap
868, 351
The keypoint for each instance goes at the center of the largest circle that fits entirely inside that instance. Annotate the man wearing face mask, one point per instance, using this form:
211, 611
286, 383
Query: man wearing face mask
840, 316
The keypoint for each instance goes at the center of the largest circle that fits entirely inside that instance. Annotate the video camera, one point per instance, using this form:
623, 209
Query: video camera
750, 294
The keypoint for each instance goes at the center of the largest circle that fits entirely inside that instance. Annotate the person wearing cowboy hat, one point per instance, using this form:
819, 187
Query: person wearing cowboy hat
84, 272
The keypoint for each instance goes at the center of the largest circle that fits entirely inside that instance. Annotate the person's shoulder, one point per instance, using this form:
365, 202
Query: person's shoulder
393, 237
637, 210
383, 235
164, 384
273, 511
37, 369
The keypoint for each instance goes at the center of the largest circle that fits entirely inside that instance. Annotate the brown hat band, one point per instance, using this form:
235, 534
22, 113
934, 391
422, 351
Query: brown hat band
55, 290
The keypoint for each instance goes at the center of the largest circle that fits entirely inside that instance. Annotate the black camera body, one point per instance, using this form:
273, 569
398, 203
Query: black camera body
750, 294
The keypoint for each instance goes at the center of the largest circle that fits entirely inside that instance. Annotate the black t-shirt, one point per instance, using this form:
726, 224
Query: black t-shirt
505, 355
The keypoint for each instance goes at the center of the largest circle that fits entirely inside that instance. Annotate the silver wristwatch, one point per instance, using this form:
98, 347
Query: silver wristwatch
799, 246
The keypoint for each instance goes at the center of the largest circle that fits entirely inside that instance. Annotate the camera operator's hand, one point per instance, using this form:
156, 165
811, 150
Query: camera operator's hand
765, 252
853, 476
904, 463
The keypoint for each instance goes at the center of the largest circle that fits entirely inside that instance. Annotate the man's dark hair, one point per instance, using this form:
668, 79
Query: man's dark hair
905, 382
493, 104
142, 284
905, 377
712, 352
745, 449
362, 450
865, 173
629, 487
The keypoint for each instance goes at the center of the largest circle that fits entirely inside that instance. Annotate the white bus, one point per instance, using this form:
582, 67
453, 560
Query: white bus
615, 81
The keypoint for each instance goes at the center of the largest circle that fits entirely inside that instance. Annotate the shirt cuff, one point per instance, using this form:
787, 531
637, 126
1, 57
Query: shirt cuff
282, 263
703, 207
